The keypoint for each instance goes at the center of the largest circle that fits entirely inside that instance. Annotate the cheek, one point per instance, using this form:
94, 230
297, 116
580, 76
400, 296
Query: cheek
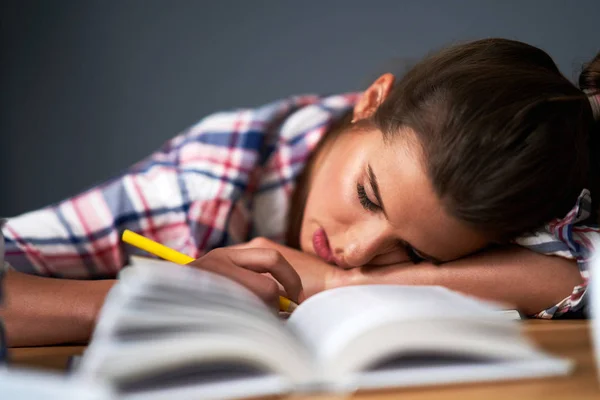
330, 204
332, 195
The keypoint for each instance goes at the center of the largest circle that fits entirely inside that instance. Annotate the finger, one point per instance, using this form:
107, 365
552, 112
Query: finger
271, 261
264, 287
239, 246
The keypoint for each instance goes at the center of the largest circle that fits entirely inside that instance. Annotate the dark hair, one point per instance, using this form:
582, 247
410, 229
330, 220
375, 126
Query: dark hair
508, 142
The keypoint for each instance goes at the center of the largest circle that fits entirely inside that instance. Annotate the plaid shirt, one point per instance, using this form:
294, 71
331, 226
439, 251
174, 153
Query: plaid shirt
223, 181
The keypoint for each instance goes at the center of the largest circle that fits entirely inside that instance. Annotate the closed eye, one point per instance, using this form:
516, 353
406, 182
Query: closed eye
413, 254
364, 199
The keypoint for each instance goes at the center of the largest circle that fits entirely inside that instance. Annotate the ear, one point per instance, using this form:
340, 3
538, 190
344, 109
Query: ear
373, 97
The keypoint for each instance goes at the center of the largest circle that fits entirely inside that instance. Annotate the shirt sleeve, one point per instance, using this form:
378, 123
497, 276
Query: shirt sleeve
177, 196
570, 238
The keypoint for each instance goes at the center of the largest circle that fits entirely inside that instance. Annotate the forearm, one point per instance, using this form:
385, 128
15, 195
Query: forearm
520, 278
43, 311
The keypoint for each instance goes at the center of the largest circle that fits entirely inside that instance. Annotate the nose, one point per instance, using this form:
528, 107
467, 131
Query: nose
362, 243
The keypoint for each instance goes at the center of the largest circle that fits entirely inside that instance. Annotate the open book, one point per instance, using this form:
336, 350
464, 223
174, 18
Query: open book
172, 332
32, 384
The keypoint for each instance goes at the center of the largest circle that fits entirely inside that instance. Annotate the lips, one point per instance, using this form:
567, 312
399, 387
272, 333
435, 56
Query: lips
321, 246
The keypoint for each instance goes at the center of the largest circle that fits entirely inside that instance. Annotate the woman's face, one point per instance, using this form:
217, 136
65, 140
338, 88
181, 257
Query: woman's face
370, 202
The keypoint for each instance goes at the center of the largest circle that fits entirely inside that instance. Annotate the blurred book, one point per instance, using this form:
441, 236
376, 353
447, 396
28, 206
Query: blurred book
512, 314
168, 331
27, 384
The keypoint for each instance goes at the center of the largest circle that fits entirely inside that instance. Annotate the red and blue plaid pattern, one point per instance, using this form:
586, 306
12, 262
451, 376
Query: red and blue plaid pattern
568, 237
223, 181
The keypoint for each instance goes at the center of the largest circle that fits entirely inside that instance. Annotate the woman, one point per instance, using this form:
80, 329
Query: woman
451, 176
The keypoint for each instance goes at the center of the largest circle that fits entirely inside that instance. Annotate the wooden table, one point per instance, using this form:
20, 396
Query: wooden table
569, 339
50, 357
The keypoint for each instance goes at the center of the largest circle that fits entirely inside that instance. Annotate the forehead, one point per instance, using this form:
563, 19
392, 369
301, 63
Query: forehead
414, 210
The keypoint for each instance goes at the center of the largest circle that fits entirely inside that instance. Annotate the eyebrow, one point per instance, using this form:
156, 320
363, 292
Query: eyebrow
377, 193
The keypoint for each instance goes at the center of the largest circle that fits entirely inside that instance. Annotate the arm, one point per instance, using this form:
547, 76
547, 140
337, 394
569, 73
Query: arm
43, 311
518, 277
77, 238
80, 238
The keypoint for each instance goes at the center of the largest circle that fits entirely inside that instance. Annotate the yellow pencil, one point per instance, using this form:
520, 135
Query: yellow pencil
176, 257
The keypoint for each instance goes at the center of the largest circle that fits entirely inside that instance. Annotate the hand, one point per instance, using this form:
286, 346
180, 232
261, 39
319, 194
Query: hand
249, 266
316, 274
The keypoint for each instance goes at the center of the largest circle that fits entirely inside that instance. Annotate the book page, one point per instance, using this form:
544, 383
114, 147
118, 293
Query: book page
332, 322
162, 318
28, 383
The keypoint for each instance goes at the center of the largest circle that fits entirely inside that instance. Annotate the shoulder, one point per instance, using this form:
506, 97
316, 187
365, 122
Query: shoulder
286, 116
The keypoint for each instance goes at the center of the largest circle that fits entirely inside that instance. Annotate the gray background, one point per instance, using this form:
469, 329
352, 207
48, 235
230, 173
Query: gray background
89, 87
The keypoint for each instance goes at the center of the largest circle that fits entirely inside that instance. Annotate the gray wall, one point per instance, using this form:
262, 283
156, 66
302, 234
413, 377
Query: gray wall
89, 87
